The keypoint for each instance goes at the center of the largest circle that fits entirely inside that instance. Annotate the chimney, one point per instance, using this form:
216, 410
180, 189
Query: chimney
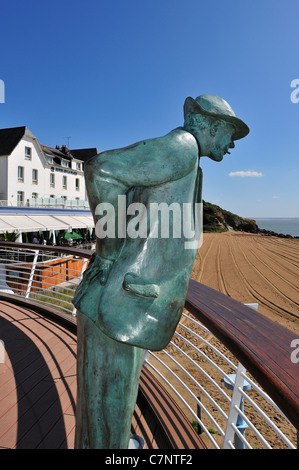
64, 149
57, 147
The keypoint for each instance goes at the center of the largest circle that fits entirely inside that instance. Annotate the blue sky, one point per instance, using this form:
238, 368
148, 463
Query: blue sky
109, 73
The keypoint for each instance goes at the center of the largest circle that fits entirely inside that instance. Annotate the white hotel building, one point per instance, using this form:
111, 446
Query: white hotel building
42, 188
32, 174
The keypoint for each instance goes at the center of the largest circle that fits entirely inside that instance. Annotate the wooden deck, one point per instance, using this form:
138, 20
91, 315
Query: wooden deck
38, 388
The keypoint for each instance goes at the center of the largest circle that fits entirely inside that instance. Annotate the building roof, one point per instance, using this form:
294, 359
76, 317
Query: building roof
84, 154
79, 154
9, 138
55, 152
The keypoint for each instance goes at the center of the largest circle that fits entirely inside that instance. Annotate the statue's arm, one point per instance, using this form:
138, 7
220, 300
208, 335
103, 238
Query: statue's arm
147, 163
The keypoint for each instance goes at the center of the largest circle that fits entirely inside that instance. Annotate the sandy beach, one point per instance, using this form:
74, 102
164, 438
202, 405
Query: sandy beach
251, 269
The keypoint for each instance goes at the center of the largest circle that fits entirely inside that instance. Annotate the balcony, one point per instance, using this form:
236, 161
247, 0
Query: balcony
227, 380
50, 202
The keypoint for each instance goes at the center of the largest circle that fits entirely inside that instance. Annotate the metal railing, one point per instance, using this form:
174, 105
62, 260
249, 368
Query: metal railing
216, 394
50, 202
225, 404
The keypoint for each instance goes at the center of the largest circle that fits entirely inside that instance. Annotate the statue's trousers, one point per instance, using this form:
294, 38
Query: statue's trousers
108, 374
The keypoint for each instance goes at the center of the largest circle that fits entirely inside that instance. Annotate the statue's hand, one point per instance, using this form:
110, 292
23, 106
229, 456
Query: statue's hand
104, 270
98, 267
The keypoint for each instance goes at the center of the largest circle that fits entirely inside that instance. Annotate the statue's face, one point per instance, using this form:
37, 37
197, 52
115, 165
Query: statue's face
221, 140
215, 136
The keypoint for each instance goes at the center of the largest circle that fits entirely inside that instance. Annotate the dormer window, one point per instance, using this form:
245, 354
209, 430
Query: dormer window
78, 166
64, 163
28, 153
49, 160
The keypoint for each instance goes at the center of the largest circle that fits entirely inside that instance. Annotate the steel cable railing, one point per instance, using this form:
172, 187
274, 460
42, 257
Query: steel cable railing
201, 374
221, 408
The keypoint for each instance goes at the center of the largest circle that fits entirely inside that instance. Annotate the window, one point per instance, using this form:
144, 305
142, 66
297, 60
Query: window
49, 160
77, 184
64, 182
34, 195
34, 176
28, 154
78, 166
64, 163
20, 197
52, 180
21, 174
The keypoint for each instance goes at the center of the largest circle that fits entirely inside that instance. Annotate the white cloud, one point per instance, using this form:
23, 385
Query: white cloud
275, 197
246, 174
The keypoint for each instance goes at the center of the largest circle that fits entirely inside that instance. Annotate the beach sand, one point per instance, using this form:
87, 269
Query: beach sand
251, 269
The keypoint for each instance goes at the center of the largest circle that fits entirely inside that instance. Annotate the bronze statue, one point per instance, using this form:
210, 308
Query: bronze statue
133, 292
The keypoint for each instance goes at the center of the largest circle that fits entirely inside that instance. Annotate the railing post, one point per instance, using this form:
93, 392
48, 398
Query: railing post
2, 352
146, 359
236, 402
84, 266
31, 274
198, 412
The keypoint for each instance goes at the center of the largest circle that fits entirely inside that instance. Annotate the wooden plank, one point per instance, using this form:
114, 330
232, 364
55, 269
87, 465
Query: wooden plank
261, 345
177, 429
38, 386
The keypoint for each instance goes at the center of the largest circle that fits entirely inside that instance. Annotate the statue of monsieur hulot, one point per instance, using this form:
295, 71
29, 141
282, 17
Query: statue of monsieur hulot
133, 292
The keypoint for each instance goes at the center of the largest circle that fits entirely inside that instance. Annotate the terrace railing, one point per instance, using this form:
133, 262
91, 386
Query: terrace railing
48, 202
233, 372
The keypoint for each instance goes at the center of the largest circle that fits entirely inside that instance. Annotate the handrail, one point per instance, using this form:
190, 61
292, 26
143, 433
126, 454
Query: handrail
56, 249
261, 345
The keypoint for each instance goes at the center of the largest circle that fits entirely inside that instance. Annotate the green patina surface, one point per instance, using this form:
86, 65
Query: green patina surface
133, 292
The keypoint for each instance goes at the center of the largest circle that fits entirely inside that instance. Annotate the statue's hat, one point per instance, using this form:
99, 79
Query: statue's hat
218, 108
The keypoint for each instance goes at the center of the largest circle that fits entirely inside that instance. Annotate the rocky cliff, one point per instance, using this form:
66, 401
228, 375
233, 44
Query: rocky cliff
216, 219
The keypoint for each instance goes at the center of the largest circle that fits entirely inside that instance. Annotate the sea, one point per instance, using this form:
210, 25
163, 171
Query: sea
287, 226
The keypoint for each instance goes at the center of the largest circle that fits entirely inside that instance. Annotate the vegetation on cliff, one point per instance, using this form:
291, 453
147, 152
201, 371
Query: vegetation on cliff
216, 219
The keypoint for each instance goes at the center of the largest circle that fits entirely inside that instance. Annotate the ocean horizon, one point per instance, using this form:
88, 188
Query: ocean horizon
284, 225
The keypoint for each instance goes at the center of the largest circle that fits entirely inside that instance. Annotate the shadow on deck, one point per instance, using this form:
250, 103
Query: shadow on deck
38, 388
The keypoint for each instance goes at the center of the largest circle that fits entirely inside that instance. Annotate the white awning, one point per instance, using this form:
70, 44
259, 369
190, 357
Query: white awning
48, 222
78, 221
12, 223
5, 226
36, 223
